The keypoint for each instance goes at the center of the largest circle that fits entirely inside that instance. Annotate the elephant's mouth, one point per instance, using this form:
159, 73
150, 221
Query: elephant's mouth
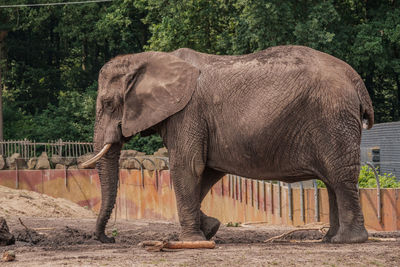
102, 152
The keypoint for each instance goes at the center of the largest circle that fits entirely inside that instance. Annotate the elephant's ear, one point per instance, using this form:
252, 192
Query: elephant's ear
160, 86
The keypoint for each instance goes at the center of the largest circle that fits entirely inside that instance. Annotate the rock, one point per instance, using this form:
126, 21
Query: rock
151, 163
161, 164
57, 159
126, 160
144, 160
162, 152
6, 238
9, 255
129, 153
32, 163
43, 162
60, 166
16, 161
147, 162
85, 158
3, 164
129, 163
69, 161
73, 167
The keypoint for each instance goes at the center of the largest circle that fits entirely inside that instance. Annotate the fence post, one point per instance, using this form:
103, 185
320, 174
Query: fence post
378, 190
289, 187
279, 199
302, 215
316, 200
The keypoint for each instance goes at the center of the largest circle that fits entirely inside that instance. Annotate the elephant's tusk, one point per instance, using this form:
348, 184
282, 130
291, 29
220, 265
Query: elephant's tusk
97, 157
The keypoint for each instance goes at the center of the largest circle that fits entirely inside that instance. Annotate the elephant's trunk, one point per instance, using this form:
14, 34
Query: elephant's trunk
108, 169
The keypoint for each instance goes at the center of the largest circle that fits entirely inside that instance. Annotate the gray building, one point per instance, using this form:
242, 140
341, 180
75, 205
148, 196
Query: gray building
381, 145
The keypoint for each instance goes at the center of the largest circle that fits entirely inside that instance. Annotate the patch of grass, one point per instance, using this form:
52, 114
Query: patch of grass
114, 232
231, 224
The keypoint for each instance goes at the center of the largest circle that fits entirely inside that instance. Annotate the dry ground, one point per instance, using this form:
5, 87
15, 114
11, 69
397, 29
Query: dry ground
62, 241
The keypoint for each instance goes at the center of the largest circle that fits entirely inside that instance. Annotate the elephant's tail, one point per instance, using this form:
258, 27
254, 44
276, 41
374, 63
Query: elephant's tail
366, 108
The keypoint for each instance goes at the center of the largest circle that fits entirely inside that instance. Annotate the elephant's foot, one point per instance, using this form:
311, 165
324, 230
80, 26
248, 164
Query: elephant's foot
192, 236
209, 226
105, 239
350, 236
331, 233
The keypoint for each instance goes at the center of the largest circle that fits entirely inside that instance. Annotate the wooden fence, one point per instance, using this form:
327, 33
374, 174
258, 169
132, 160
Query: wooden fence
149, 194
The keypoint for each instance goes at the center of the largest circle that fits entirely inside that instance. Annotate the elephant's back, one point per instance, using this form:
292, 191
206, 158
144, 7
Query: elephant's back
285, 55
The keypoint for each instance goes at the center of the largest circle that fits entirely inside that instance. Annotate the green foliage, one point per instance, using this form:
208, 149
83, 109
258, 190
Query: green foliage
147, 144
231, 224
367, 179
321, 184
50, 59
71, 118
114, 232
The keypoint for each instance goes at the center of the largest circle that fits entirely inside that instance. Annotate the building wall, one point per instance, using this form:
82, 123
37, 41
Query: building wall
387, 137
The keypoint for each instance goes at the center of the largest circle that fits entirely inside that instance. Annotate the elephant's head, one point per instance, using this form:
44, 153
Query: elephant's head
135, 93
138, 91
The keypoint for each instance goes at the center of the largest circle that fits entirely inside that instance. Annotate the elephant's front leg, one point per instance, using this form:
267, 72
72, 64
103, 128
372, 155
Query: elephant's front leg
209, 225
187, 188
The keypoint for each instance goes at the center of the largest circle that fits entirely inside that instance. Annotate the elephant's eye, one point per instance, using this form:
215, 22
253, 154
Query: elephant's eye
108, 104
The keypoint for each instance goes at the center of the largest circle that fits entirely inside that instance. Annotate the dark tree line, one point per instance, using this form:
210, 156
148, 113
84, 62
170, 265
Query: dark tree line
50, 56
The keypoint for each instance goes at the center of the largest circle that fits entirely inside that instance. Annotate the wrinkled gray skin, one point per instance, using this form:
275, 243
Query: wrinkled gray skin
288, 113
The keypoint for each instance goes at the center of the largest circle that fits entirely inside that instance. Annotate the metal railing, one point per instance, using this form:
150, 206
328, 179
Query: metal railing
31, 149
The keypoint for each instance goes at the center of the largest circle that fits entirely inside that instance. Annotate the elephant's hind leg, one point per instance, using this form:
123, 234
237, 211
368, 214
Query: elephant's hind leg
351, 220
333, 216
338, 164
346, 218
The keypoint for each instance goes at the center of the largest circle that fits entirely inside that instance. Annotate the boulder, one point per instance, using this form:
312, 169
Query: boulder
16, 161
161, 164
43, 162
6, 238
3, 164
144, 160
162, 152
85, 158
32, 163
73, 167
128, 153
57, 159
147, 162
126, 161
69, 161
129, 163
60, 166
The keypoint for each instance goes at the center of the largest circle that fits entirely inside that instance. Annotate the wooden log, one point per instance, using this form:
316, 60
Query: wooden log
190, 244
159, 245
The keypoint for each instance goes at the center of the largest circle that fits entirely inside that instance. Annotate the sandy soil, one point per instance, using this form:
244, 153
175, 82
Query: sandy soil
28, 203
61, 241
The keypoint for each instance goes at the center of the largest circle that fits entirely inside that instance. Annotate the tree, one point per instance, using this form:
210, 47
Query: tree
52, 54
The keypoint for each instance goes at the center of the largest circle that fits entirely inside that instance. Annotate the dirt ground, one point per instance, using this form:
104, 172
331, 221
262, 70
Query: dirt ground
69, 241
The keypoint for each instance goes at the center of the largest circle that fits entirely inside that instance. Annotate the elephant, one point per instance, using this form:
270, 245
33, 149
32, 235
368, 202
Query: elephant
287, 113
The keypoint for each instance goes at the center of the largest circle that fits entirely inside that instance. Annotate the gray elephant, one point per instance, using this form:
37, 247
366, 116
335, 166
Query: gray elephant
288, 113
